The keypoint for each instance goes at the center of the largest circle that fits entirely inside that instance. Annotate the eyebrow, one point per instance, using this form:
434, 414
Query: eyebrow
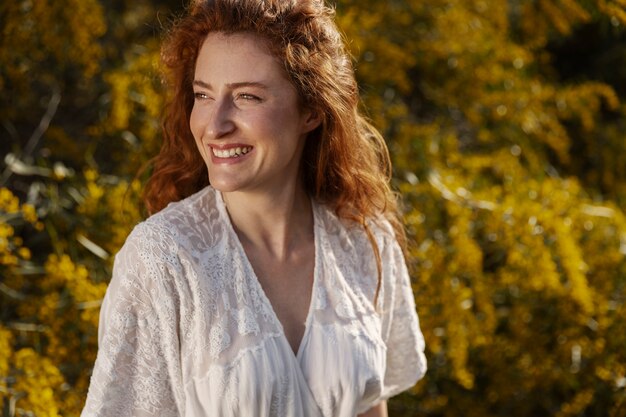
203, 84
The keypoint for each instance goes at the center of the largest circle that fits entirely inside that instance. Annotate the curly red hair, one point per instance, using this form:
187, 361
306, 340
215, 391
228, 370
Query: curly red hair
345, 164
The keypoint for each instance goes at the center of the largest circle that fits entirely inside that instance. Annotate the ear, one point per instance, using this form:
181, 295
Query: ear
311, 119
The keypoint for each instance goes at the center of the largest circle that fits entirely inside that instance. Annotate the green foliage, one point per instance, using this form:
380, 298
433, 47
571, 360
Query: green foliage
507, 150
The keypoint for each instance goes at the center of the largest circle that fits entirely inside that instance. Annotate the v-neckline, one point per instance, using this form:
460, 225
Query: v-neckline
259, 288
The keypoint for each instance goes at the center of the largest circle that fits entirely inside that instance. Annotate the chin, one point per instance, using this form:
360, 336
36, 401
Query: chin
219, 186
225, 186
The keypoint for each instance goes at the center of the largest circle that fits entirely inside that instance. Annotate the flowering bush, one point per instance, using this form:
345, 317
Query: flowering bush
507, 154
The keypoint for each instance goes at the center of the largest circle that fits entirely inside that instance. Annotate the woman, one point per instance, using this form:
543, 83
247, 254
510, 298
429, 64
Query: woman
270, 281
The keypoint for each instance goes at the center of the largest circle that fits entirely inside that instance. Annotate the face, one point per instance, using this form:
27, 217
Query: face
246, 119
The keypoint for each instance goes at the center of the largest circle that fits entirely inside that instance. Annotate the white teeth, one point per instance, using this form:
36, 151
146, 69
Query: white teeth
232, 152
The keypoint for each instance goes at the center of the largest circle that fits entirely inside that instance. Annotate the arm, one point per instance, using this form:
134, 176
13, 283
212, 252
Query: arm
379, 410
406, 362
136, 372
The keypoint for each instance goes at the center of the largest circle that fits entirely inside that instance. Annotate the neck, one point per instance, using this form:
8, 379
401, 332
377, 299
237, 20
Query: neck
274, 223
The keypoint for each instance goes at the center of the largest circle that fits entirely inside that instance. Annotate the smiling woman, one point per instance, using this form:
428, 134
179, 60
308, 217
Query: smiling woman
270, 280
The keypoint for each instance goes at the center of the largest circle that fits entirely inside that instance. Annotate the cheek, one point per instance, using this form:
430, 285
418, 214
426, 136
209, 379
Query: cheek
196, 127
195, 123
281, 122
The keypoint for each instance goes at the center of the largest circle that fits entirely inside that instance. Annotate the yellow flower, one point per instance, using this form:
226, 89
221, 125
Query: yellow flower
8, 202
91, 175
6, 230
24, 253
29, 213
6, 338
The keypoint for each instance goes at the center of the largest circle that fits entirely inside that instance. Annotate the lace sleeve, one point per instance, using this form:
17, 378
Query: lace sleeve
406, 362
136, 372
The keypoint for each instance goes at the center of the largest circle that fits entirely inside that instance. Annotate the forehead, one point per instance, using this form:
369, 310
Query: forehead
237, 55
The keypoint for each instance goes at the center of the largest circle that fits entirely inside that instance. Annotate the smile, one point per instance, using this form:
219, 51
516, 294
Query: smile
232, 152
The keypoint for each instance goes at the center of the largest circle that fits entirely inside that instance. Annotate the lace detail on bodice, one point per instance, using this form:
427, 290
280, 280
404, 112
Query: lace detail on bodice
186, 329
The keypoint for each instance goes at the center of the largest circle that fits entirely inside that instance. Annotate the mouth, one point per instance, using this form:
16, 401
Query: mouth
234, 152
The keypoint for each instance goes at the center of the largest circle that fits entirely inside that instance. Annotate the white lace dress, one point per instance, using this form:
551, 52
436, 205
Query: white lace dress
186, 329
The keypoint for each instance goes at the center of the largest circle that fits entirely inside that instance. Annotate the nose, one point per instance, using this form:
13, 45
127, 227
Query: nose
220, 123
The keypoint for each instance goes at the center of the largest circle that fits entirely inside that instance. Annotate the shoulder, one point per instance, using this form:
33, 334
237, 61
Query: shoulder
383, 232
158, 247
346, 230
191, 225
179, 216
360, 250
151, 263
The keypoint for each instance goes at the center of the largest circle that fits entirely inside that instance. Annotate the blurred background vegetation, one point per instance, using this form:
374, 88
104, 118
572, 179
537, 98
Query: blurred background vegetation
507, 124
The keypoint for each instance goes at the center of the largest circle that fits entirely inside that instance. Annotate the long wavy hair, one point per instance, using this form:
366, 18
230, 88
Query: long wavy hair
345, 163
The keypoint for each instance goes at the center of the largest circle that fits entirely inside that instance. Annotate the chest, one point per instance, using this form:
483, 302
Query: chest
288, 289
339, 363
255, 339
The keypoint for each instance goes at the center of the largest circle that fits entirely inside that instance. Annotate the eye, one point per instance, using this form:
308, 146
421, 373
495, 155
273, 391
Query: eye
248, 97
200, 95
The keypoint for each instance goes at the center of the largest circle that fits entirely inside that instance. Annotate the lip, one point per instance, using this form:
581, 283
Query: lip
224, 147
